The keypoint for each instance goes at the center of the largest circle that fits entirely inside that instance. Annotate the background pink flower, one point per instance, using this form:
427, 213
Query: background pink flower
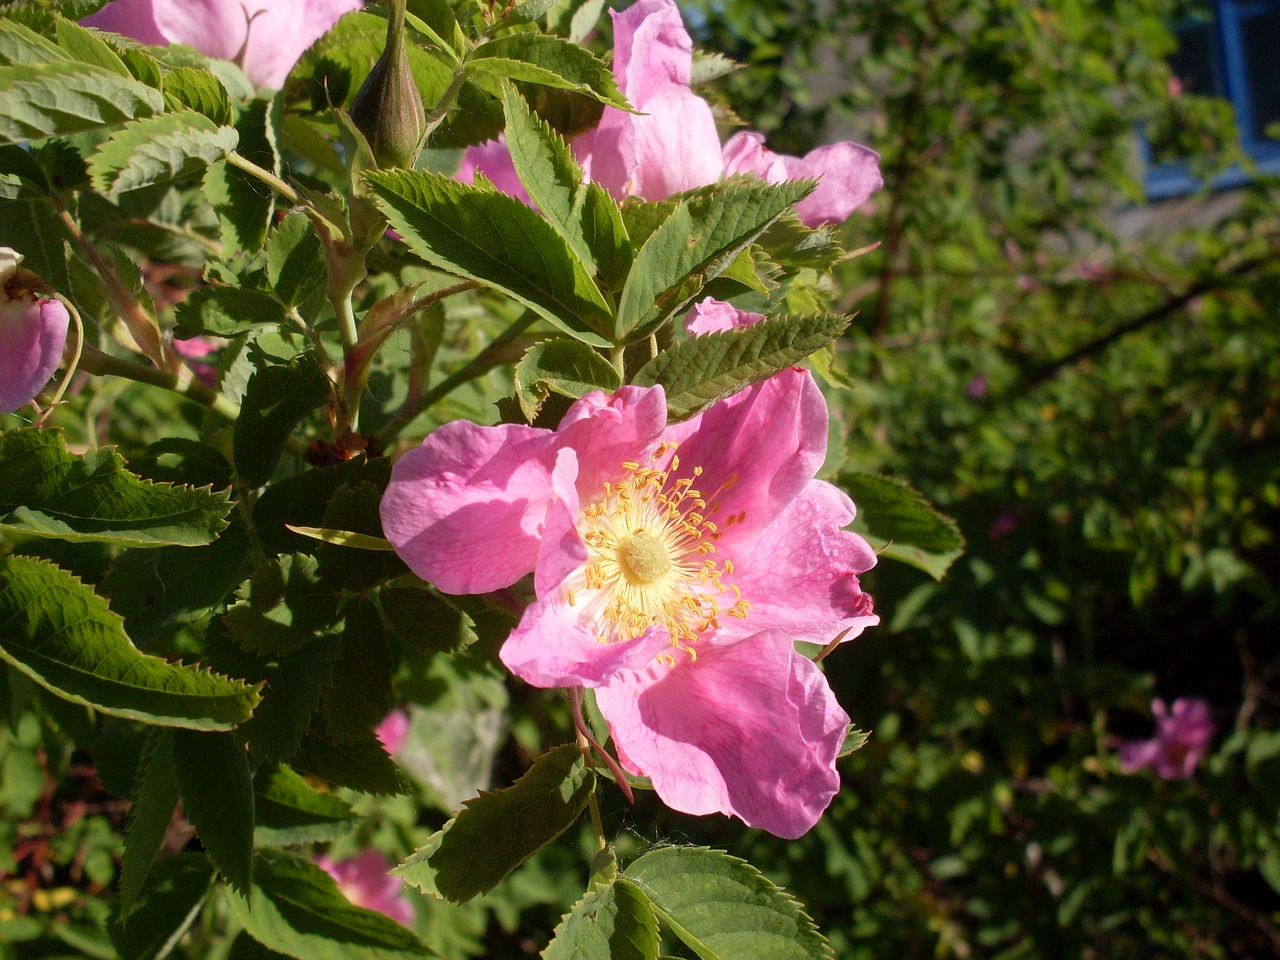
364, 880
847, 174
33, 332
493, 159
712, 315
392, 731
265, 36
672, 145
1183, 733
674, 566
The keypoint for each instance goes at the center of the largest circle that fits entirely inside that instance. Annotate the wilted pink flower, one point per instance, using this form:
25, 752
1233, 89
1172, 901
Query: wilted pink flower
847, 174
266, 37
392, 731
712, 315
1182, 739
674, 566
364, 881
33, 332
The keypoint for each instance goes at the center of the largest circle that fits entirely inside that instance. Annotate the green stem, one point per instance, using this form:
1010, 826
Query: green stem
617, 356
94, 361
484, 361
437, 114
142, 327
266, 176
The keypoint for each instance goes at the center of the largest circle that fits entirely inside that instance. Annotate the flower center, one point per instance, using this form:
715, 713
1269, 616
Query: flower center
644, 557
649, 541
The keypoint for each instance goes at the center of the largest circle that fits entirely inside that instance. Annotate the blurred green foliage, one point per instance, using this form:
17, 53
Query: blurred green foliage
1089, 385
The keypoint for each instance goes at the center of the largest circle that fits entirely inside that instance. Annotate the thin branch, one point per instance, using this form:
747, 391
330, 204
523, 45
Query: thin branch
1154, 315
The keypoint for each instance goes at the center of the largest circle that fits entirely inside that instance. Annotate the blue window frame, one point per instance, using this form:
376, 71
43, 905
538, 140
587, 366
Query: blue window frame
1236, 56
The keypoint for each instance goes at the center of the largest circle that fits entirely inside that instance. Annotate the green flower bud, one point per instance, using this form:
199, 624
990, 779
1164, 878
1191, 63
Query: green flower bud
388, 109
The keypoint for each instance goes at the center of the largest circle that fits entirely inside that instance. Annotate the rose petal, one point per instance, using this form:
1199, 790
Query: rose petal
749, 728
466, 509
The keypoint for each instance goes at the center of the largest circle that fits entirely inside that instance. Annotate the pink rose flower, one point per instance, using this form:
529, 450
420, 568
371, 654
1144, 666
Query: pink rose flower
672, 145
847, 174
364, 881
675, 565
1182, 739
493, 159
712, 315
33, 331
266, 37
392, 731
195, 349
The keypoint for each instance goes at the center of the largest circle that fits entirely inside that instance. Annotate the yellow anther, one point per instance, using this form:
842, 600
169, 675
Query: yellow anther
568, 595
630, 465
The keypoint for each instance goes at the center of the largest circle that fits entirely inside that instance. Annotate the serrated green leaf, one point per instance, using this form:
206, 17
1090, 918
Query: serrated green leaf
496, 240
167, 906
47, 492
298, 910
355, 509
284, 605
217, 798
496, 832
85, 46
526, 11
901, 524
295, 259
854, 741
172, 146
423, 620
40, 100
696, 243
792, 244
57, 631
615, 921
291, 691
723, 908
276, 399
154, 798
361, 695
178, 460
303, 499
288, 811
158, 591
548, 61
582, 213
709, 65
701, 370
198, 90
576, 20
244, 203
752, 269
20, 176
362, 765
227, 311
142, 66
19, 44
43, 240
566, 367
